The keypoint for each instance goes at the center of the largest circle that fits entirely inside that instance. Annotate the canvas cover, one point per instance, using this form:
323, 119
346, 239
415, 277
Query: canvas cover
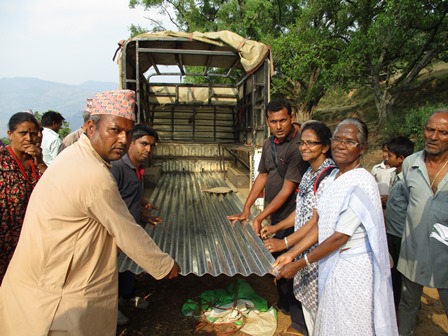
251, 53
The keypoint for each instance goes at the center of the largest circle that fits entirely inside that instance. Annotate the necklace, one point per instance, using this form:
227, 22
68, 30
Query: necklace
435, 177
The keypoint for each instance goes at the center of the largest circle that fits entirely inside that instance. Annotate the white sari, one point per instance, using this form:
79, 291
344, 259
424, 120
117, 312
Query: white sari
355, 289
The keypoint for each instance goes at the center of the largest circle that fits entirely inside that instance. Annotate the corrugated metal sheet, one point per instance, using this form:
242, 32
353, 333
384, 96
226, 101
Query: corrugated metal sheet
196, 233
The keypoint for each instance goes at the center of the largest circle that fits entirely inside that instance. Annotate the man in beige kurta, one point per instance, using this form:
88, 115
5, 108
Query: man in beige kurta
63, 276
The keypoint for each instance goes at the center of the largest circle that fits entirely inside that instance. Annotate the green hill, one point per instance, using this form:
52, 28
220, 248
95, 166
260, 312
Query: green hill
338, 105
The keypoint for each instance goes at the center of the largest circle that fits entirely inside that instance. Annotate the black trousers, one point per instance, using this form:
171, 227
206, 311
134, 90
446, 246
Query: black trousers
126, 284
394, 245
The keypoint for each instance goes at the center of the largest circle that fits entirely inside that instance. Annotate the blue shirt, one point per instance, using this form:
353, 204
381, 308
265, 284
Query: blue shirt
396, 208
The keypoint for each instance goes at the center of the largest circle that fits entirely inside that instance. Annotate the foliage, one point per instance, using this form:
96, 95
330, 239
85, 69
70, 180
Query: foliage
414, 123
392, 41
319, 44
303, 56
65, 129
5, 141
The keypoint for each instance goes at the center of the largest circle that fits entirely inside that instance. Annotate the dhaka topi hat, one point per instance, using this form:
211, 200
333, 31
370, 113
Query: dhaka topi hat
118, 102
88, 106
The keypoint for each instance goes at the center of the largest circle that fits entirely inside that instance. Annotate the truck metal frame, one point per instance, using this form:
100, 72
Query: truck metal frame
200, 122
209, 128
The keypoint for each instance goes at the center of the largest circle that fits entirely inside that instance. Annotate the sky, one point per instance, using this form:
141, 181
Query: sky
66, 41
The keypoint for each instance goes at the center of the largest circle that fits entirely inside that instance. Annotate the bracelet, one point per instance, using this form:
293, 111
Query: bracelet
286, 242
306, 260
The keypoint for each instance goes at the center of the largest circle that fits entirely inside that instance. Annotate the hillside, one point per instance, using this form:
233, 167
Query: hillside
20, 94
338, 105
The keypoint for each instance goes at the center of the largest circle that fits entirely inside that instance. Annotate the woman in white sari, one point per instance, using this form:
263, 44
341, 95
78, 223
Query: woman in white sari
355, 291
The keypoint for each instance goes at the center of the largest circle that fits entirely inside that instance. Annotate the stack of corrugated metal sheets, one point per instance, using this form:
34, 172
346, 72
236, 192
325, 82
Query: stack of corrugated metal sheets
196, 232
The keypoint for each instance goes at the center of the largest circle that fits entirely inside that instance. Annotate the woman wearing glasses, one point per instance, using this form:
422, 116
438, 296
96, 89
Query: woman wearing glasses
355, 292
314, 146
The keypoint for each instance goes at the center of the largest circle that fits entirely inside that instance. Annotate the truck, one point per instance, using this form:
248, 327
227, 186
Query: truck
205, 95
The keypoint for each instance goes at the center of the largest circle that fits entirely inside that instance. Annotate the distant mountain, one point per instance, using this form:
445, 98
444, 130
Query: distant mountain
20, 94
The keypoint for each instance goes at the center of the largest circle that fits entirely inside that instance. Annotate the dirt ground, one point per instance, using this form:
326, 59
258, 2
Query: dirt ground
166, 297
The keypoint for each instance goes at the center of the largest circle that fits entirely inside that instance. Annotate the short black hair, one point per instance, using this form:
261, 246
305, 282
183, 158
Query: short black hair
400, 146
50, 117
322, 131
142, 130
277, 104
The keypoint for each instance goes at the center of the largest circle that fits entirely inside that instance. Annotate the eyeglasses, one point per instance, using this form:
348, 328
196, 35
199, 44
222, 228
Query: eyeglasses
309, 143
347, 143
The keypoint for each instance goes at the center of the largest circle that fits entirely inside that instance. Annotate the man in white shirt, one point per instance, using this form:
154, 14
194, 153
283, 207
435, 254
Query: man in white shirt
52, 123
382, 173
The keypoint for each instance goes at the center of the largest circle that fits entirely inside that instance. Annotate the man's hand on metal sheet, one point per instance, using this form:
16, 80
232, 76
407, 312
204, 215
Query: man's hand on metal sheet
148, 205
256, 225
174, 273
239, 217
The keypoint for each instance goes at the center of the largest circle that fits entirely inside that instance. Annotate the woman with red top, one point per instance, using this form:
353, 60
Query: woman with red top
20, 169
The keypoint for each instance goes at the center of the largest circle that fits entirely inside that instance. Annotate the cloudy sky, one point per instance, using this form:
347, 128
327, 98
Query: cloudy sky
66, 41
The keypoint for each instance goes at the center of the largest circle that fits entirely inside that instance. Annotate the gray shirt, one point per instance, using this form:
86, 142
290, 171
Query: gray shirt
396, 208
423, 259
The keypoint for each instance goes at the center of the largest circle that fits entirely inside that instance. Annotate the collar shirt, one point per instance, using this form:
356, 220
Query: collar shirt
63, 275
130, 184
290, 166
50, 145
382, 176
423, 259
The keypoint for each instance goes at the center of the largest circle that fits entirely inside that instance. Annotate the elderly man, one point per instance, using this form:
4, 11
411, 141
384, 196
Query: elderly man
424, 259
62, 279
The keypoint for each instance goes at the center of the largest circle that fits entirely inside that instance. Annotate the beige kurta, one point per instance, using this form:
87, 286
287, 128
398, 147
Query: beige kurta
63, 275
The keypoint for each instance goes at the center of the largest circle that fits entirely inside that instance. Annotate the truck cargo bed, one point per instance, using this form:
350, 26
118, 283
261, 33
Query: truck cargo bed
195, 231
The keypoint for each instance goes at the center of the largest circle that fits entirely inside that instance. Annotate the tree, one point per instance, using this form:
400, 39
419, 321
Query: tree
65, 129
299, 74
318, 44
392, 42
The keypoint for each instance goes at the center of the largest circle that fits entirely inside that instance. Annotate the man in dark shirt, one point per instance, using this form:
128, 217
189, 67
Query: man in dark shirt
279, 173
128, 172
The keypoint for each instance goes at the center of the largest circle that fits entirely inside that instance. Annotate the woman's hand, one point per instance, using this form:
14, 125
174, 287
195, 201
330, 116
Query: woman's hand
274, 245
268, 231
282, 260
35, 153
288, 271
